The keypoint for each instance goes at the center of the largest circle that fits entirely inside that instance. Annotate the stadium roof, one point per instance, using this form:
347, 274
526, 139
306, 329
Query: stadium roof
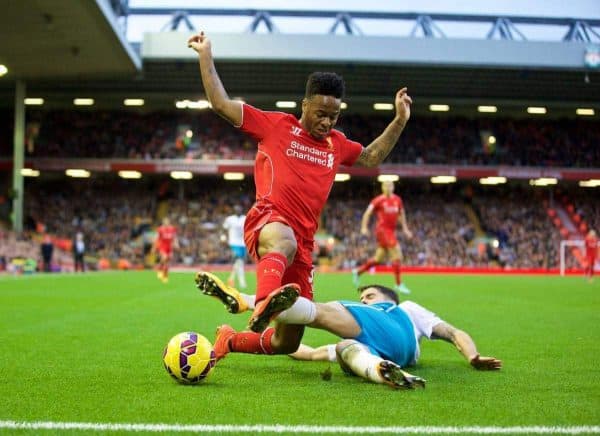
60, 61
63, 39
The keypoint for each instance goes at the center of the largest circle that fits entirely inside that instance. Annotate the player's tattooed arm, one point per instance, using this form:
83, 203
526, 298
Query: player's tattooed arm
375, 153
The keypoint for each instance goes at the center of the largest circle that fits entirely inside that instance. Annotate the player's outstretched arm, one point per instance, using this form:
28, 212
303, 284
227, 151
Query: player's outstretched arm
465, 345
305, 352
227, 108
375, 153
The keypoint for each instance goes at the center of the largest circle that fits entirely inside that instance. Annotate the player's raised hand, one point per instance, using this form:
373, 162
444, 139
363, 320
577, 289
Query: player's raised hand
364, 231
199, 42
485, 363
402, 103
408, 234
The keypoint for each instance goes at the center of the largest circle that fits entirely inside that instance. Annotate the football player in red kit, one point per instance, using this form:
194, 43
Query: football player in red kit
166, 240
591, 252
389, 209
294, 170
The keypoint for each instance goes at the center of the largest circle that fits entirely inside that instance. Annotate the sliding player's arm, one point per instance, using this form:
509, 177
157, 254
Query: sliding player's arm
323, 353
465, 345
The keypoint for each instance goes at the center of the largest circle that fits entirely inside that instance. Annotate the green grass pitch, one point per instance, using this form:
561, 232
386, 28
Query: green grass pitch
88, 348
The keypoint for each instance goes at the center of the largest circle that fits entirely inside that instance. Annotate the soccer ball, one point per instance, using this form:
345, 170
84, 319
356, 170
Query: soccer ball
189, 357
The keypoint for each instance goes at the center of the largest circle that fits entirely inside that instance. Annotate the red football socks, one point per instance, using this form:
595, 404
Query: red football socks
254, 343
269, 272
368, 264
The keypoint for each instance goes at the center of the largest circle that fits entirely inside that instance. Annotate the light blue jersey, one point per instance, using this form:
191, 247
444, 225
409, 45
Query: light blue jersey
238, 251
386, 329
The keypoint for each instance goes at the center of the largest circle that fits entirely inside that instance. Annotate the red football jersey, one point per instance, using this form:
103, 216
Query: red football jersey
591, 246
387, 209
166, 235
294, 172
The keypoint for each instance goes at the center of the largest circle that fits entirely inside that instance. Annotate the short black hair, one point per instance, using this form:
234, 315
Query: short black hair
320, 83
388, 292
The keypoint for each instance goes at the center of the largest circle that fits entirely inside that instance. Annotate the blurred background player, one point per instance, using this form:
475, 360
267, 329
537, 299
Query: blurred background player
295, 167
389, 209
234, 224
47, 249
591, 252
79, 252
166, 240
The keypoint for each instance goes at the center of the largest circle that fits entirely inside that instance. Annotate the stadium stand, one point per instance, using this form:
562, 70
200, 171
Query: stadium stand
510, 227
517, 231
430, 140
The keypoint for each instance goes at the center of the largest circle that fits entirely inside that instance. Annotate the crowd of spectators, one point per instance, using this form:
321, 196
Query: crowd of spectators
510, 230
118, 219
199, 221
427, 140
441, 230
463, 141
22, 253
131, 135
518, 221
587, 206
112, 215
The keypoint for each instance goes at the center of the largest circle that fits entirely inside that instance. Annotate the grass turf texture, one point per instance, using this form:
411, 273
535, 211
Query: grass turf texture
88, 348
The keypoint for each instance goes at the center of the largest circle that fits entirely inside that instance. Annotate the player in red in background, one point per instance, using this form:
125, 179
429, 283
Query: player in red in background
295, 167
591, 252
166, 240
389, 209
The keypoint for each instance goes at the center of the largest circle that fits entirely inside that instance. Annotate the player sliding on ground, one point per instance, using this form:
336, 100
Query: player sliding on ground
381, 335
295, 167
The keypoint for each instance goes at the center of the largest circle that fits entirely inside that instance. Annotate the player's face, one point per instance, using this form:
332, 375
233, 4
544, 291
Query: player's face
372, 296
387, 187
319, 114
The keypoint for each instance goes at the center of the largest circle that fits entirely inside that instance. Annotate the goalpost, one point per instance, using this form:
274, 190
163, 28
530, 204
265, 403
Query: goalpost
563, 251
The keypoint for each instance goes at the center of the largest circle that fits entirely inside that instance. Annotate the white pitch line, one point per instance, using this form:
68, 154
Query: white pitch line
312, 429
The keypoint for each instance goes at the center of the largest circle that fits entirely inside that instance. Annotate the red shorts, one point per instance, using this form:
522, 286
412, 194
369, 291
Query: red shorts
165, 252
386, 238
301, 270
